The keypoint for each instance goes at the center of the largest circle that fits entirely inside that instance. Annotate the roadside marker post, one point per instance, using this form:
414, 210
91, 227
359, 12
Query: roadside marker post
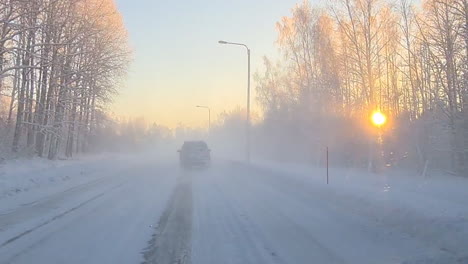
327, 164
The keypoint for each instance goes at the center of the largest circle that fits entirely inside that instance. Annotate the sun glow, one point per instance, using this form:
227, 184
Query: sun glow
378, 118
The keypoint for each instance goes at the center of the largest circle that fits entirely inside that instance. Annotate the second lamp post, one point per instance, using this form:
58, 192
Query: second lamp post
209, 116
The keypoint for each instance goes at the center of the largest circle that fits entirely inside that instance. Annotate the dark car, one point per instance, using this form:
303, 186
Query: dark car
194, 154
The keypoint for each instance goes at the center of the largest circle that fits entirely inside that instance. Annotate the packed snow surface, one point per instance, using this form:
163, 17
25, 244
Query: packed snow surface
145, 209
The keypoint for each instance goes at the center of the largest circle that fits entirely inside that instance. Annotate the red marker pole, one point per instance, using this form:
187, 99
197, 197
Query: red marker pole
327, 164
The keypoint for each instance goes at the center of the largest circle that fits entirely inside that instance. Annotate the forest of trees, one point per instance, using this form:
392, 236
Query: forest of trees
339, 64
60, 63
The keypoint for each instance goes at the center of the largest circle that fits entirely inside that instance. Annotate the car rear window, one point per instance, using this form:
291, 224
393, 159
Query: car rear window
196, 145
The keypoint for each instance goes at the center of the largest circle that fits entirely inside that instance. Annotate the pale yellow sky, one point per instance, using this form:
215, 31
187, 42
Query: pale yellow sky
170, 107
178, 62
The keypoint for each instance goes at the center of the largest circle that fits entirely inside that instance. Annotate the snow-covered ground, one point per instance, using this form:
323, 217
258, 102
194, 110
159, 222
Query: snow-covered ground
26, 180
133, 209
288, 214
107, 216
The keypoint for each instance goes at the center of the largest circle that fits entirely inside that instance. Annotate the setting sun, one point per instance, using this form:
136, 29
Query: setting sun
378, 118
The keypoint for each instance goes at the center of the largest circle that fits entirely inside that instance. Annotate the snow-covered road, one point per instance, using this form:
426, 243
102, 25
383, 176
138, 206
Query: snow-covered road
107, 220
251, 215
153, 212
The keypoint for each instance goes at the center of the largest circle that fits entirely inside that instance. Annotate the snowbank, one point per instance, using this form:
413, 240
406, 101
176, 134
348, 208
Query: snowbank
24, 181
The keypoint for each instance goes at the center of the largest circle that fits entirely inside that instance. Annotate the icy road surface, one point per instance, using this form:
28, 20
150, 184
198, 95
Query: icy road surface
154, 212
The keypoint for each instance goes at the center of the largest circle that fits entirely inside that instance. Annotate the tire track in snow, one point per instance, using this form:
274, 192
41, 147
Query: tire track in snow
28, 231
224, 231
171, 242
27, 208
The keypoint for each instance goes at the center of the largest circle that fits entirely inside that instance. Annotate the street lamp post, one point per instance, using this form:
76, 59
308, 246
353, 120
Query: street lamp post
247, 126
209, 116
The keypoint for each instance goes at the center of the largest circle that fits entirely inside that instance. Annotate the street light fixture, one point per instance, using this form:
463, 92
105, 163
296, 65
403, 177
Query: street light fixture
247, 127
209, 115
